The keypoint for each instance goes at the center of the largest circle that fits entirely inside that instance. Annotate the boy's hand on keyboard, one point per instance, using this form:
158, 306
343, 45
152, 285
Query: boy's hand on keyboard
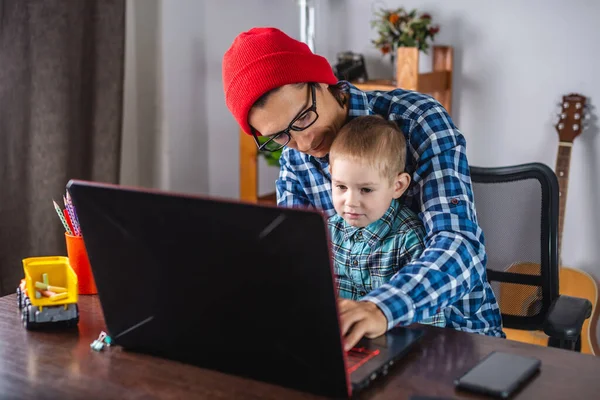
358, 319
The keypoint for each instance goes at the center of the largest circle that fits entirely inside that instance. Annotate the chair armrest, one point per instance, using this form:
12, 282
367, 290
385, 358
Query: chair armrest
565, 317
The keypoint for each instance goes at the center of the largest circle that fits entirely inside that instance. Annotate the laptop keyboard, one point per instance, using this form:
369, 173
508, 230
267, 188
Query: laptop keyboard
358, 356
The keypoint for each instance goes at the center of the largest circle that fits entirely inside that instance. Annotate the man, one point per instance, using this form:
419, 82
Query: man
276, 87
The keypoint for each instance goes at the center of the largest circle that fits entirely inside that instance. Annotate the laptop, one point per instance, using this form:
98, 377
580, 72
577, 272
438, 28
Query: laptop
240, 288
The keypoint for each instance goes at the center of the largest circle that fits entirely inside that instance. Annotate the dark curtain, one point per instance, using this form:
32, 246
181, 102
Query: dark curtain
61, 89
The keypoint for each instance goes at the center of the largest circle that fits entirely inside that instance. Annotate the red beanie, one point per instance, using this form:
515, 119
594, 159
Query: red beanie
262, 59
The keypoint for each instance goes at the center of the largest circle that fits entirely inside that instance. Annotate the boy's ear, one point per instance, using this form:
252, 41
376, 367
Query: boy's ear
401, 183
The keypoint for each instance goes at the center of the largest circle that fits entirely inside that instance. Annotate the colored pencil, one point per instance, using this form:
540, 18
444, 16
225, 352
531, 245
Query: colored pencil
62, 218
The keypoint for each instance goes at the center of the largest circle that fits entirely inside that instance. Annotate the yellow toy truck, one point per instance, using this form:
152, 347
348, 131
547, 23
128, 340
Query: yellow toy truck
48, 293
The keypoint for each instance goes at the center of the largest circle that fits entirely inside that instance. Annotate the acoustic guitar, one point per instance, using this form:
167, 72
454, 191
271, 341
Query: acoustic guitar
572, 282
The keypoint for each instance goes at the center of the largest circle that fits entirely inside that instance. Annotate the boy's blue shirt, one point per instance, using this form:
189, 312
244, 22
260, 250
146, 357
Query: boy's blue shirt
366, 258
450, 273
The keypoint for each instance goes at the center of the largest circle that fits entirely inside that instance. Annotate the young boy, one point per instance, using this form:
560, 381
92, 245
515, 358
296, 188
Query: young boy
373, 233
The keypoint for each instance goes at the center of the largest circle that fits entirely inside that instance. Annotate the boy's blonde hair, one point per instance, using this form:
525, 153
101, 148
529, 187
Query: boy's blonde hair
374, 140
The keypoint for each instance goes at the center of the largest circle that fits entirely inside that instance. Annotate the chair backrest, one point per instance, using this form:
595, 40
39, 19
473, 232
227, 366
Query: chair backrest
517, 208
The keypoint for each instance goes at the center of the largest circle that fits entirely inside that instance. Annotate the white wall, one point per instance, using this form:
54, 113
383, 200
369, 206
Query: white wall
185, 122
178, 133
513, 61
141, 153
224, 20
165, 143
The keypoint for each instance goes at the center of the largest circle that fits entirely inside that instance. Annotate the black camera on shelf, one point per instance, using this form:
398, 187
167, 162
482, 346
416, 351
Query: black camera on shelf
350, 67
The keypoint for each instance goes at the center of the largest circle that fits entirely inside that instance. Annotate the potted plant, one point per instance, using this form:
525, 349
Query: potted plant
401, 28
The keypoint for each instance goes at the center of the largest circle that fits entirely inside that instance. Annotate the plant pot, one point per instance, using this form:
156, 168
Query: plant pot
423, 61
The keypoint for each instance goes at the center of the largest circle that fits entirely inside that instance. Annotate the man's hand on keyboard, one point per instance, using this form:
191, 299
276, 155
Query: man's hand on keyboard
358, 319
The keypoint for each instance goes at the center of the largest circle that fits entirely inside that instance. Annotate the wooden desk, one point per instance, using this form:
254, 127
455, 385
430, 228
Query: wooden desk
61, 365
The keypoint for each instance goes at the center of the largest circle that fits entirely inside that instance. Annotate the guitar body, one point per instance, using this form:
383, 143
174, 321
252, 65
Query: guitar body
572, 282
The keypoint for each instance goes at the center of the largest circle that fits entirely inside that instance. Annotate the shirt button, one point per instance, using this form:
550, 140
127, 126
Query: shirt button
455, 201
359, 236
354, 262
362, 293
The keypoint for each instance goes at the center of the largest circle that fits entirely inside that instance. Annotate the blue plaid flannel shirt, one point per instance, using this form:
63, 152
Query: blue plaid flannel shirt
366, 258
450, 273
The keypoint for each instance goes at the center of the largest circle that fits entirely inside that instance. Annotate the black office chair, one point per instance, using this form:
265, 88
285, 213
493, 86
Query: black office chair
517, 208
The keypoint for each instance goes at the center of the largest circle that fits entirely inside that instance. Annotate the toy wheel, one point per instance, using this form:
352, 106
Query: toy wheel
25, 315
19, 297
25, 318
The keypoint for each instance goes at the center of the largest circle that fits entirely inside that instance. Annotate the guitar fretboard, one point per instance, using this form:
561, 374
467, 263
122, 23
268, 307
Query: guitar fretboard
563, 162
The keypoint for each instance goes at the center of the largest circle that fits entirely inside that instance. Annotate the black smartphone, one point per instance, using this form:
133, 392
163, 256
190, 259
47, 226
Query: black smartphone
499, 374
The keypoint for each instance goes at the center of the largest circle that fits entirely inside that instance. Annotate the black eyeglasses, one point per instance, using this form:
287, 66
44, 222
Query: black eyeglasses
301, 122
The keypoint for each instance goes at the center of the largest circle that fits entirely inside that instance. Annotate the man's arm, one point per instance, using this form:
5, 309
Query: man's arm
454, 258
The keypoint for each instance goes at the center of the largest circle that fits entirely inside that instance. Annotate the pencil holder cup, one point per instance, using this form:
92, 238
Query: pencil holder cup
80, 263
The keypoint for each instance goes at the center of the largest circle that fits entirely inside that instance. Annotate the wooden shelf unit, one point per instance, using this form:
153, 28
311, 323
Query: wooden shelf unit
437, 83
249, 172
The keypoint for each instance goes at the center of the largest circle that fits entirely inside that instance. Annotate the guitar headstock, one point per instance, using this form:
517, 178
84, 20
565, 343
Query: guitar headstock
573, 112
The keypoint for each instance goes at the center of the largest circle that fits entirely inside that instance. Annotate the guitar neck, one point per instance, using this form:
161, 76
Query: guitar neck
563, 163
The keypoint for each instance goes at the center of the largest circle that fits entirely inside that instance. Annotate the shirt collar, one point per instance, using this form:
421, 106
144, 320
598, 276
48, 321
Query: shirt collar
376, 230
358, 103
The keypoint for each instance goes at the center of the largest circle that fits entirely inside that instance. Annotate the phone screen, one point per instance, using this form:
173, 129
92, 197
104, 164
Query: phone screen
499, 374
